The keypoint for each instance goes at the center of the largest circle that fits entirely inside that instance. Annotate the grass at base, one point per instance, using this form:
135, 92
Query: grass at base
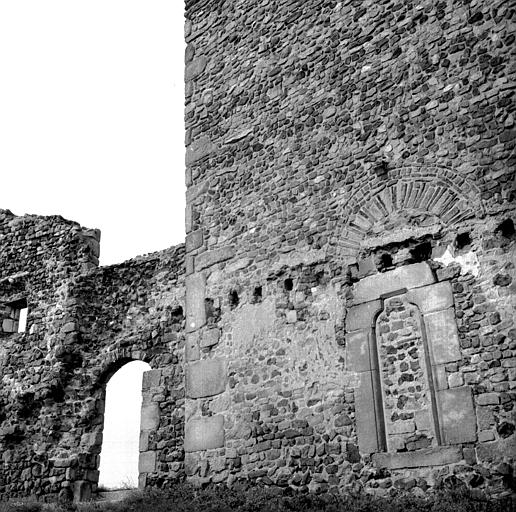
185, 498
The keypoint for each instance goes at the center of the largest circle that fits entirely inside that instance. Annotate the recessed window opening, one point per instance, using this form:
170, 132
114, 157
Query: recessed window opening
233, 299
289, 284
462, 241
118, 467
257, 294
384, 261
16, 317
506, 228
421, 252
177, 313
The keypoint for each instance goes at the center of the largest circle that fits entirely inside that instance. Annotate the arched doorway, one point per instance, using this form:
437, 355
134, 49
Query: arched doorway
118, 467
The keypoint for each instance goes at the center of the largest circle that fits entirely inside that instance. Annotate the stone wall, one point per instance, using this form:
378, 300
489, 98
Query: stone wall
333, 148
83, 324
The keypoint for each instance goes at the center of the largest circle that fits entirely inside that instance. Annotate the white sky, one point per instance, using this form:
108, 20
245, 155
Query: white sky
91, 117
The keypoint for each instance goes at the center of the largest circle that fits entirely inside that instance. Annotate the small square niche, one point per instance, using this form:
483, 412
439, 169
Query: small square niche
15, 317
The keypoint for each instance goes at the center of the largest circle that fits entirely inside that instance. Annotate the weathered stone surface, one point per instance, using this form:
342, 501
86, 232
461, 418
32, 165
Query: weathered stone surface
194, 240
358, 358
199, 149
366, 424
206, 378
195, 305
434, 297
151, 379
150, 416
457, 415
147, 462
204, 433
209, 337
442, 336
209, 258
431, 457
410, 276
362, 316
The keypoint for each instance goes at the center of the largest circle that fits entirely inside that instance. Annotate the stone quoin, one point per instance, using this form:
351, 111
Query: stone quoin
341, 315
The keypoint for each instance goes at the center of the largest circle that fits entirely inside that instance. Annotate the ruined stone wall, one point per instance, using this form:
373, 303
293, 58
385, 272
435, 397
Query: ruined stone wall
84, 323
330, 145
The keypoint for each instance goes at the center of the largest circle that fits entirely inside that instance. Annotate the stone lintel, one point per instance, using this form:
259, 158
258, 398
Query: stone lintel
457, 415
419, 458
204, 433
195, 304
209, 258
443, 338
206, 378
362, 316
409, 276
357, 351
434, 297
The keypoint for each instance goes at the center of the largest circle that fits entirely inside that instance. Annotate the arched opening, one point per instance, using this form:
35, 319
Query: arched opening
118, 467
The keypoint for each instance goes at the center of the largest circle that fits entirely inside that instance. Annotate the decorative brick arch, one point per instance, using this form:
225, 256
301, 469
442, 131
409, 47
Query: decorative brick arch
410, 198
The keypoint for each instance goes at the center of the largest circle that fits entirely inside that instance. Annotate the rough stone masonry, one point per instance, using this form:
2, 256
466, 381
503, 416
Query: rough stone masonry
348, 276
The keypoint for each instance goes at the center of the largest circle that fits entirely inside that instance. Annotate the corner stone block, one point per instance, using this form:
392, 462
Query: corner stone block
81, 491
193, 240
410, 276
365, 414
357, 351
147, 462
443, 338
209, 258
435, 297
195, 305
151, 379
206, 378
204, 433
457, 415
361, 316
150, 417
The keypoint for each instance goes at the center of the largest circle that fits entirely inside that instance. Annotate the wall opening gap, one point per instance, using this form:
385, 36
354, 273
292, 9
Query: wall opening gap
120, 450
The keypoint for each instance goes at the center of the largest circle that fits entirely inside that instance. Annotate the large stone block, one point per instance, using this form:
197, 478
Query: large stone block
420, 458
365, 416
362, 316
204, 433
357, 351
209, 258
442, 336
434, 297
194, 240
147, 462
410, 276
199, 149
195, 304
206, 378
151, 379
457, 415
150, 417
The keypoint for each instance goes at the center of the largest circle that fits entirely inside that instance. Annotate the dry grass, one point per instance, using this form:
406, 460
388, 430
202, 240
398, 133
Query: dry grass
184, 498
